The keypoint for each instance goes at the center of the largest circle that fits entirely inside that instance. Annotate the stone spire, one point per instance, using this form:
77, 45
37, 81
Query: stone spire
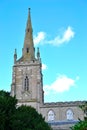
28, 49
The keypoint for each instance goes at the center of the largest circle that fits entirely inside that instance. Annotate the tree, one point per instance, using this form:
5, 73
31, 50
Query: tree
7, 108
21, 118
82, 125
27, 118
84, 108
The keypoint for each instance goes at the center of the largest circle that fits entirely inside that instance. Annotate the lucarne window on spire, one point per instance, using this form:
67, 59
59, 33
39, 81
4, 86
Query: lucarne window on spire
28, 30
27, 49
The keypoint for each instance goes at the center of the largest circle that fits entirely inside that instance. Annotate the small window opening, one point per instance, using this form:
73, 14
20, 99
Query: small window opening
27, 49
28, 30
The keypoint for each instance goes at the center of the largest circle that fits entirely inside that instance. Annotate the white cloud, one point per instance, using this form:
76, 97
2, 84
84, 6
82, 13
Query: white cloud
44, 67
39, 37
67, 35
61, 84
77, 78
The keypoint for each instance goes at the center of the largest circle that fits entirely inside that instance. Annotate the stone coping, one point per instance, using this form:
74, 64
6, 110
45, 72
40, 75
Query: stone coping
64, 122
62, 104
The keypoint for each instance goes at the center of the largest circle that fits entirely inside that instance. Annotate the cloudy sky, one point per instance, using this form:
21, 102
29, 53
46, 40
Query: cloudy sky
60, 31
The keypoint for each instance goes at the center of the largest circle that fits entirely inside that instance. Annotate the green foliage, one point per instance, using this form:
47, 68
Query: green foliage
84, 108
21, 118
81, 125
7, 108
27, 118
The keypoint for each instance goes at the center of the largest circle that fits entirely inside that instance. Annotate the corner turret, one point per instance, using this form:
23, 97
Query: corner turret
15, 56
38, 54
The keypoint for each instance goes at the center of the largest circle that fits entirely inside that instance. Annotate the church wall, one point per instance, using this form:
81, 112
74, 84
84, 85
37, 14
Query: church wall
61, 116
60, 112
33, 104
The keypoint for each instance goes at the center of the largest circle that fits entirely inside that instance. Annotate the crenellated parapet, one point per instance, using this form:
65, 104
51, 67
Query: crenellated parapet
63, 104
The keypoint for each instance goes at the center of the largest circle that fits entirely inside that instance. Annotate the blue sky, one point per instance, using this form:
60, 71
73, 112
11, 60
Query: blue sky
59, 30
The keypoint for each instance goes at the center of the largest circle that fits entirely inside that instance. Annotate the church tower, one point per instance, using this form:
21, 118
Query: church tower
27, 79
27, 87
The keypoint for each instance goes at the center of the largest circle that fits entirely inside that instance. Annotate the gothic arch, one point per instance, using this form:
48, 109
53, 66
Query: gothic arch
25, 82
51, 115
69, 114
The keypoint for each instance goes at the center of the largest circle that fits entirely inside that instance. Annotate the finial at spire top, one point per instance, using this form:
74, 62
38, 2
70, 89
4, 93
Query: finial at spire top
15, 51
29, 9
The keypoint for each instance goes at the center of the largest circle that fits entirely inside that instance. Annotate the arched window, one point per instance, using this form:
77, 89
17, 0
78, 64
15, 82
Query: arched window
69, 114
26, 83
51, 115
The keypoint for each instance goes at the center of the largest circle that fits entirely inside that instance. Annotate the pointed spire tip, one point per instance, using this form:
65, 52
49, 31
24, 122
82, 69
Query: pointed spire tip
29, 9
